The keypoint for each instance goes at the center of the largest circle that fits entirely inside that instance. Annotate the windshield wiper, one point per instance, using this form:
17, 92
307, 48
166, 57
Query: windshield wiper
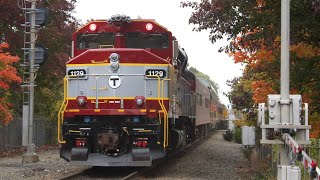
144, 35
82, 36
97, 35
149, 35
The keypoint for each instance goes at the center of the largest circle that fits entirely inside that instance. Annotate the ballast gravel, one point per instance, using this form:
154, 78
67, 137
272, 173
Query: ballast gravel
211, 158
50, 166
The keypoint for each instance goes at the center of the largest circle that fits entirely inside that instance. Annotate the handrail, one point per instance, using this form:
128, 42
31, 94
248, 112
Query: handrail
76, 77
62, 109
99, 62
163, 109
159, 98
166, 112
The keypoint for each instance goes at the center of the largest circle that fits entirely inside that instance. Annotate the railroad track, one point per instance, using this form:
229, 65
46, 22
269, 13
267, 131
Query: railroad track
125, 173
104, 173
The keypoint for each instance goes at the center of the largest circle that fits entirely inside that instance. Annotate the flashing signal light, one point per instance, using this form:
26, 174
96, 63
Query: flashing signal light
149, 26
93, 27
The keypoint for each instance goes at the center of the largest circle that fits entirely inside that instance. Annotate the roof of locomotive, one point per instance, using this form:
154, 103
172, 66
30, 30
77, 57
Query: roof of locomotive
137, 24
120, 27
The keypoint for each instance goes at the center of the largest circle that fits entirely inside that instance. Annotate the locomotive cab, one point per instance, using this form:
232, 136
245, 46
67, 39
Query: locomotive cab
116, 94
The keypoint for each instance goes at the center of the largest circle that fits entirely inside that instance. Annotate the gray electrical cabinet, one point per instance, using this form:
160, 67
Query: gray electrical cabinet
274, 109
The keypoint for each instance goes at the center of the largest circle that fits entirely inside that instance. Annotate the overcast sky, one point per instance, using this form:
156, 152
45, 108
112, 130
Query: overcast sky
203, 55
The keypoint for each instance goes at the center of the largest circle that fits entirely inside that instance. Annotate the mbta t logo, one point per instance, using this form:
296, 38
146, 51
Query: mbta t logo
114, 82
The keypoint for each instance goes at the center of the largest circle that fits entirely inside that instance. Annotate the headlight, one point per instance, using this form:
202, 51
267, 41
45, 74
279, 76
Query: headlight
114, 57
114, 61
114, 66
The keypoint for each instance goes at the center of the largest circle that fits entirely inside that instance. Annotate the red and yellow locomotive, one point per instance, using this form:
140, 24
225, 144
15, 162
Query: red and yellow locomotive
128, 97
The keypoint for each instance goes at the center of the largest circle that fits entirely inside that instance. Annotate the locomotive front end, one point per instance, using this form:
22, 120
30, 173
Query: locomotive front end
116, 95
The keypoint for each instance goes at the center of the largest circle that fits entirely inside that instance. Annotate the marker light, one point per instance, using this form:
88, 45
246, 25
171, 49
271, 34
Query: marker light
81, 100
93, 27
81, 142
149, 26
140, 100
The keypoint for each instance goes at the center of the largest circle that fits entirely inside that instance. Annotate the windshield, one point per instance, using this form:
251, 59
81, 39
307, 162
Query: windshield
147, 40
95, 41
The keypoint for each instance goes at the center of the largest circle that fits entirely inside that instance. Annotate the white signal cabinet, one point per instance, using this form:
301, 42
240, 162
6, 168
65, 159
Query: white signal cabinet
248, 136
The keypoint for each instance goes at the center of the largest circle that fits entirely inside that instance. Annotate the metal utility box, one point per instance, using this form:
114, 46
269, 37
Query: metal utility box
248, 136
289, 173
274, 109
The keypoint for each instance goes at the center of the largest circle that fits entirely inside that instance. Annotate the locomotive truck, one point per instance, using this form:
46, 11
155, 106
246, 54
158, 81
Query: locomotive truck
128, 97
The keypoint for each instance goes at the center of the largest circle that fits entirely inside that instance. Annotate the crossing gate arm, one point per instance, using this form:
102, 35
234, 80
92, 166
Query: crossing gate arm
297, 149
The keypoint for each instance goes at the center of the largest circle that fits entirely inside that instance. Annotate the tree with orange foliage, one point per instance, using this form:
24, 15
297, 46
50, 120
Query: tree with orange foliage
56, 36
8, 76
253, 30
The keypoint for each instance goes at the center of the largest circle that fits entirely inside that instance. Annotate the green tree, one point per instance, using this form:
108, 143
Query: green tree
253, 30
241, 94
56, 36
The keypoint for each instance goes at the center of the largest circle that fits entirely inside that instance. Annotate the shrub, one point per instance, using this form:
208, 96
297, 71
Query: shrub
228, 136
237, 134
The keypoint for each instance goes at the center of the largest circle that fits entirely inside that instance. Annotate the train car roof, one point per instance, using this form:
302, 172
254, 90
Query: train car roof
205, 82
188, 75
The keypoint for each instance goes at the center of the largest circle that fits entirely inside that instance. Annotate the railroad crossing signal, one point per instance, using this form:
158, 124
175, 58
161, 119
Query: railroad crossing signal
285, 110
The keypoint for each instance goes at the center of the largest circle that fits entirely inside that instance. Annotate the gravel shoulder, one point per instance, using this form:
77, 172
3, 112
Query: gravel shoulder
50, 166
212, 158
